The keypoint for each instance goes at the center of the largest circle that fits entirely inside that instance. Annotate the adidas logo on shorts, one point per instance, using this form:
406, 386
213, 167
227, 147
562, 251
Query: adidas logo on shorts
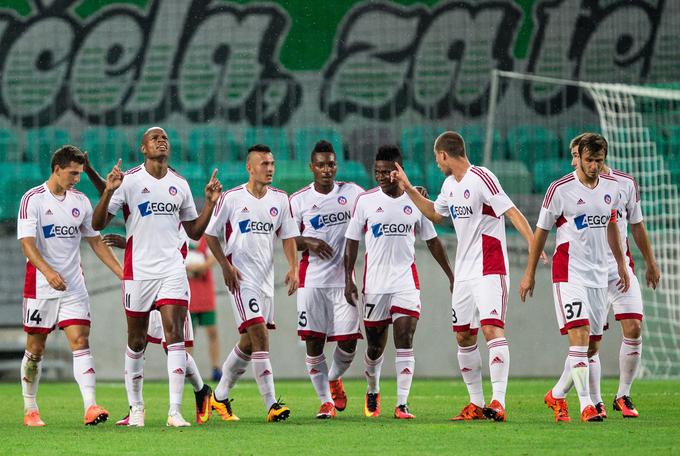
493, 312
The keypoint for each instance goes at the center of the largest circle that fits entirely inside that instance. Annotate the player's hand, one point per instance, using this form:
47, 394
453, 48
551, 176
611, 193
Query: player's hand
55, 280
451, 285
232, 278
319, 247
292, 281
400, 177
526, 287
213, 189
653, 275
624, 281
86, 165
422, 190
545, 259
114, 240
351, 294
115, 178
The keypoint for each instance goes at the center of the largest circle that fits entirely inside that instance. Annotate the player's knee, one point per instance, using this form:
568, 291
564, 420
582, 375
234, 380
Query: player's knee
348, 346
632, 329
80, 342
314, 346
466, 338
404, 340
136, 342
492, 332
592, 350
36, 347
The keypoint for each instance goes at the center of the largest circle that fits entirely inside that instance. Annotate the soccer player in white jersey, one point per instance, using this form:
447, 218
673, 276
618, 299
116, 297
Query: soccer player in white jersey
388, 220
475, 201
323, 209
583, 206
251, 216
53, 218
155, 202
627, 306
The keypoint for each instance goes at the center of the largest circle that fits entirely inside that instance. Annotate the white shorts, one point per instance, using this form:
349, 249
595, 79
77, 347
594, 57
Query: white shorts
324, 313
628, 305
142, 296
481, 301
41, 316
382, 309
156, 335
576, 305
251, 307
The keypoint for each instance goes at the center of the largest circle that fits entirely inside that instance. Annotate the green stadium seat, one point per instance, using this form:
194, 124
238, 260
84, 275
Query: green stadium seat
105, 146
231, 174
415, 171
17, 179
514, 176
475, 138
177, 146
528, 143
292, 175
194, 173
417, 142
673, 150
549, 170
10, 150
209, 145
306, 138
434, 178
573, 131
42, 142
353, 171
274, 137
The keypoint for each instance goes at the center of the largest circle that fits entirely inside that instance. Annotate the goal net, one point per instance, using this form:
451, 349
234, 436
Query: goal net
540, 115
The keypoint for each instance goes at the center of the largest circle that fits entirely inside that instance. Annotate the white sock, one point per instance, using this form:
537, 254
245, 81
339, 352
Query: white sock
341, 362
234, 366
262, 369
318, 373
629, 362
193, 376
134, 376
594, 374
564, 384
31, 368
372, 373
470, 364
578, 361
177, 367
83, 371
405, 364
499, 367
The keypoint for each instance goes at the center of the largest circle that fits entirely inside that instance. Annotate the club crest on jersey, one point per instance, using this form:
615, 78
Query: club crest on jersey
607, 199
466, 194
172, 190
342, 200
408, 210
253, 226
391, 229
321, 220
75, 212
584, 221
273, 212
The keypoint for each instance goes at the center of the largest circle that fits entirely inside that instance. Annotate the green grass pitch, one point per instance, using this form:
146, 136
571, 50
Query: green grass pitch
530, 428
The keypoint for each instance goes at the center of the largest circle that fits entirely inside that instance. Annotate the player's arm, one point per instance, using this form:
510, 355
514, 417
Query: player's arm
290, 250
423, 204
519, 221
101, 216
526, 287
614, 240
350, 259
314, 245
639, 233
232, 276
98, 181
104, 253
31, 252
439, 253
195, 228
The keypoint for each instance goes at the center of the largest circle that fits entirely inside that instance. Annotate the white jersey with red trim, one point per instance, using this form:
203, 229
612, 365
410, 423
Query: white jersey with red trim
389, 226
324, 217
582, 215
57, 224
250, 226
153, 210
627, 211
476, 205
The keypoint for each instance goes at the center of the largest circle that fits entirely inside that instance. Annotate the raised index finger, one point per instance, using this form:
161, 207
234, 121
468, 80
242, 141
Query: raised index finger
214, 173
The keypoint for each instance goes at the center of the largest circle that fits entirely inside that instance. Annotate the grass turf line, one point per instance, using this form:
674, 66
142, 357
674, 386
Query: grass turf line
530, 429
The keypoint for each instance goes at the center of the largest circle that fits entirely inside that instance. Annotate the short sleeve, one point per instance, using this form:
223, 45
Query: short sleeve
288, 229
86, 227
633, 207
492, 192
427, 230
117, 199
187, 211
219, 217
27, 221
355, 227
550, 211
296, 210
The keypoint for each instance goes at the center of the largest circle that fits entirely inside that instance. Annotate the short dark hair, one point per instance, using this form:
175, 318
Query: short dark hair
389, 152
321, 147
452, 143
259, 148
593, 143
66, 154
577, 139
